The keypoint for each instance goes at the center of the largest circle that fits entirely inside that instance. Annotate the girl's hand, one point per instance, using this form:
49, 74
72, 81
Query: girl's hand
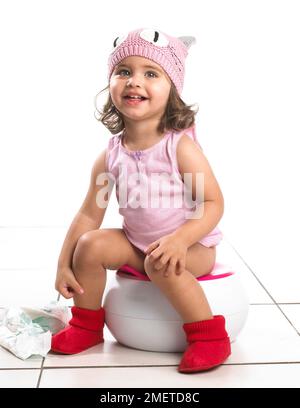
66, 284
168, 249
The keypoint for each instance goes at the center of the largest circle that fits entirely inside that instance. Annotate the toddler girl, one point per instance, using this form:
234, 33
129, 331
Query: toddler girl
170, 239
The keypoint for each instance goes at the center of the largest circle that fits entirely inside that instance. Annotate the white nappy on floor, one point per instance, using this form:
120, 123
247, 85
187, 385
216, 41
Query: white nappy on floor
27, 331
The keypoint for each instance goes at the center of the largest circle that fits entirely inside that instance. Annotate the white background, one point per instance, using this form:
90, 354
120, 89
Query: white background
243, 73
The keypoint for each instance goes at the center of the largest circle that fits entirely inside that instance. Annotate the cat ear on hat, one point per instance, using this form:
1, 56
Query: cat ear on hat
187, 40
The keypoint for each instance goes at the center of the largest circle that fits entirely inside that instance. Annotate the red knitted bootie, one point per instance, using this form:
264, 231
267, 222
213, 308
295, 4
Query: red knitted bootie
85, 330
209, 345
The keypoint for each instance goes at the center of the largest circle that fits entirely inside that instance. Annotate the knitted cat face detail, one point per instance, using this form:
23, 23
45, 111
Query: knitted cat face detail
167, 51
155, 37
150, 35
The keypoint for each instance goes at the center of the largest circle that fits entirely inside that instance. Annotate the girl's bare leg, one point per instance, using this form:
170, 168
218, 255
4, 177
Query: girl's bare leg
94, 253
184, 291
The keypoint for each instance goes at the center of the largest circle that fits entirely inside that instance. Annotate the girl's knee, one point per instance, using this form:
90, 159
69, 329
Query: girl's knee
149, 268
86, 251
148, 265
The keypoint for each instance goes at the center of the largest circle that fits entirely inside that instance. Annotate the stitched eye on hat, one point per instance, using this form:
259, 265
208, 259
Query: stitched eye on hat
154, 37
118, 41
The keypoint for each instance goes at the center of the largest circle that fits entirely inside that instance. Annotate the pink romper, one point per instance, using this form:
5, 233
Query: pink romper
132, 171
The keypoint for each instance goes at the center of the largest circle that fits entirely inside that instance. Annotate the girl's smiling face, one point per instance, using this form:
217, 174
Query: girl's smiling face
140, 76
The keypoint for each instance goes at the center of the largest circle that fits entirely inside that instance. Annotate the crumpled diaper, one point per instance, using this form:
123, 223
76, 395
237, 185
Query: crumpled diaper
27, 331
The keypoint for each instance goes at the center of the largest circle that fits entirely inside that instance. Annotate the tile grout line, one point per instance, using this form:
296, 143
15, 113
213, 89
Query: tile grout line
19, 368
41, 372
43, 361
138, 366
251, 271
275, 303
287, 318
169, 365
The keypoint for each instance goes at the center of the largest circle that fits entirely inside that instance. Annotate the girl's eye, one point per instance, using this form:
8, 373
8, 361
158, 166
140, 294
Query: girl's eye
122, 70
148, 72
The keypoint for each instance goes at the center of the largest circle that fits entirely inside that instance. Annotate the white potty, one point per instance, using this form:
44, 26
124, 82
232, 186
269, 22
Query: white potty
139, 315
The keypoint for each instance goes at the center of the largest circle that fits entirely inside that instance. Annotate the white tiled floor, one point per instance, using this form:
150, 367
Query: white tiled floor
265, 354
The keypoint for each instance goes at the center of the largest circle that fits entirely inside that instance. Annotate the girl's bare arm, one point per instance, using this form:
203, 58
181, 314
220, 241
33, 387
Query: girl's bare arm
89, 216
191, 160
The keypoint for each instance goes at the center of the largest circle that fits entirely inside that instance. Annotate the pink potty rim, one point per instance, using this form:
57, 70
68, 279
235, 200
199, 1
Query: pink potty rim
219, 271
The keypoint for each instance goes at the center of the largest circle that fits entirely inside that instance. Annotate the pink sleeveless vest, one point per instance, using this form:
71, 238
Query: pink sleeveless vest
133, 172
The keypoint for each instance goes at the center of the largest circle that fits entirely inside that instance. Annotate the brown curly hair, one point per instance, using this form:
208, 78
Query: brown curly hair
177, 116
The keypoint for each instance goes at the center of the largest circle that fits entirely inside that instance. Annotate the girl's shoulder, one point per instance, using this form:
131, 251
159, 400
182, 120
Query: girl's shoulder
187, 133
112, 151
113, 141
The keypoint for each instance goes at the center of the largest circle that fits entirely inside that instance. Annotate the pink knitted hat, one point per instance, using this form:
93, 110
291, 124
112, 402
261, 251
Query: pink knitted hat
168, 52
